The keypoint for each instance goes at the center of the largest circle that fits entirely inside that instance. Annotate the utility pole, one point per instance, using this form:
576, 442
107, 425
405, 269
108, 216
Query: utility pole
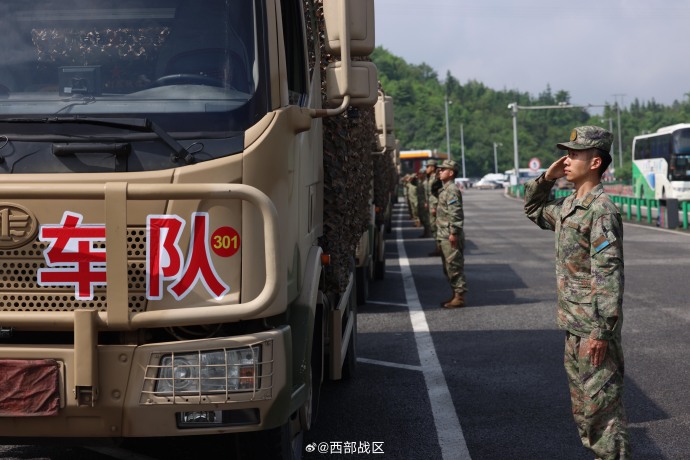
450, 157
496, 144
462, 150
514, 110
613, 146
620, 142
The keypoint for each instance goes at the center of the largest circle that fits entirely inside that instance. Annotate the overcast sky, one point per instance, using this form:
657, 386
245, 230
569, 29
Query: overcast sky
594, 49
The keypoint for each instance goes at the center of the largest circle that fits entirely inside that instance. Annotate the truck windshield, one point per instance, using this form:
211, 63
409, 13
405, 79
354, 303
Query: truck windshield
188, 65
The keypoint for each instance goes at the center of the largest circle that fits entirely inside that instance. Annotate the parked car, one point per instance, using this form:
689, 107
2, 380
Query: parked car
485, 184
464, 183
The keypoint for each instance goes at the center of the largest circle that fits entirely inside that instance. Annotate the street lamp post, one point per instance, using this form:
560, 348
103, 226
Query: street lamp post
496, 144
462, 150
620, 142
514, 110
450, 157
613, 147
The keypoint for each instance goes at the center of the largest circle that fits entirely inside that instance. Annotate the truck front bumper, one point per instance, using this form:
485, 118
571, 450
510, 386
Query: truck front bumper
156, 390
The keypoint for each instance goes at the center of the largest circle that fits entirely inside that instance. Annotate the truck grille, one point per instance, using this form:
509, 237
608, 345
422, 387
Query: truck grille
20, 292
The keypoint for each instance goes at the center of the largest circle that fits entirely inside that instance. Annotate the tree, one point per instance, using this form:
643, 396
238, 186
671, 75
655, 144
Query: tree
419, 96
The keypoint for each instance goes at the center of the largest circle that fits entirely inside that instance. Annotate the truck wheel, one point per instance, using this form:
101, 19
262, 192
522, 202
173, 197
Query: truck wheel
310, 410
350, 362
306, 412
380, 255
282, 443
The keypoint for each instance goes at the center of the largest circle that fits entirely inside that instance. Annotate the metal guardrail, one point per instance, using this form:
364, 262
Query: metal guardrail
641, 206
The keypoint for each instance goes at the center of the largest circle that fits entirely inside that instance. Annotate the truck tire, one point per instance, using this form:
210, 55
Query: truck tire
380, 254
350, 362
310, 411
280, 443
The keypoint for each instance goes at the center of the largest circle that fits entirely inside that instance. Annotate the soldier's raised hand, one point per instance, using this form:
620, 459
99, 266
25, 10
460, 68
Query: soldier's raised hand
557, 169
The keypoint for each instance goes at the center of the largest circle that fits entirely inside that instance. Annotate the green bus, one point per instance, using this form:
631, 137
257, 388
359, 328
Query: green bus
661, 163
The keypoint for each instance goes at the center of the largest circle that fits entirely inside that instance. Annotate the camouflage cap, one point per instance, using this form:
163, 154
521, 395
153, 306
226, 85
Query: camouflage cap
449, 164
588, 137
432, 163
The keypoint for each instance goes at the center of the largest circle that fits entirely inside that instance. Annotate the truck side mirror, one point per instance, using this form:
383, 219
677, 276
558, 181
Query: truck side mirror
358, 80
359, 26
383, 113
349, 31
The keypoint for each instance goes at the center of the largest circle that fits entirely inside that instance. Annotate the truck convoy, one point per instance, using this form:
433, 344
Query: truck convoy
184, 185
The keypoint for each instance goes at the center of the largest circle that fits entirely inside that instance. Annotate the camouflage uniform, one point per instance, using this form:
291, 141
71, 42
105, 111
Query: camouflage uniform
449, 220
589, 272
412, 199
421, 201
431, 200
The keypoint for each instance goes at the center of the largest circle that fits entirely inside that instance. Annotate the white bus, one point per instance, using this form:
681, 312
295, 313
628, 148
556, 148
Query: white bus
661, 163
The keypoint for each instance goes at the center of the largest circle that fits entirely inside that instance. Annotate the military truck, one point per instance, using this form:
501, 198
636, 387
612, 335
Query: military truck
183, 187
370, 255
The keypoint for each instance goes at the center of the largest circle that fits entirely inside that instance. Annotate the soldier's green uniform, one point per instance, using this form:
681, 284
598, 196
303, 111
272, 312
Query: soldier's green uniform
431, 199
433, 203
450, 219
421, 202
412, 199
590, 280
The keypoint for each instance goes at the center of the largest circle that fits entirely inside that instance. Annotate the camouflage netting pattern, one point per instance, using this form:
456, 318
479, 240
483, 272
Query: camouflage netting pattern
348, 140
386, 179
128, 55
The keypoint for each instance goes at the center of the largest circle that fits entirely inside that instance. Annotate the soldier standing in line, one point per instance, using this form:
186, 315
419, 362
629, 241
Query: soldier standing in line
412, 198
450, 234
421, 209
433, 185
403, 182
424, 203
589, 271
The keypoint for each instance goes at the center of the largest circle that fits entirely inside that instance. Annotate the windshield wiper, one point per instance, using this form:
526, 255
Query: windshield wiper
138, 124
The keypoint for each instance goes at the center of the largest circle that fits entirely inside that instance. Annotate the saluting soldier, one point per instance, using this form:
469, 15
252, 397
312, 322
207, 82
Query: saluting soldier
450, 234
589, 272
432, 187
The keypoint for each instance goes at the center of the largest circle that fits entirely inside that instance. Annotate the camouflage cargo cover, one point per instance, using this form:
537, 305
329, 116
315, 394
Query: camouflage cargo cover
590, 282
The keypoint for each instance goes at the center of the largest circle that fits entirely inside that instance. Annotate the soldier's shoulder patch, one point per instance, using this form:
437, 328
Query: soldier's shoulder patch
600, 243
604, 241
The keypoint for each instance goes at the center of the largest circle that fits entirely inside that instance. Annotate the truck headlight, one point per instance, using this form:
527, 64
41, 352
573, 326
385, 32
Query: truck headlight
208, 372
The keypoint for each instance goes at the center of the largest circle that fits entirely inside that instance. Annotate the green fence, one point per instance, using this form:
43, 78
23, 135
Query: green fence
644, 207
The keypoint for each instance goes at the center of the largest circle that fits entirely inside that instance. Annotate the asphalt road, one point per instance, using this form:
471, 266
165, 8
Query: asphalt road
487, 381
501, 356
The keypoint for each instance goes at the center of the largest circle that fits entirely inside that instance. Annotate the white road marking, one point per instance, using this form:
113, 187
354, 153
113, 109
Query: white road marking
448, 429
389, 304
389, 364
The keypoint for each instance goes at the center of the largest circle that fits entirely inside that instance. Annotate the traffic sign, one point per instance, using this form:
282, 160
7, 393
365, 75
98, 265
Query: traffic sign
534, 164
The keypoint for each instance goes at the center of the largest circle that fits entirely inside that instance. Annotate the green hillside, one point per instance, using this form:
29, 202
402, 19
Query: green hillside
419, 94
